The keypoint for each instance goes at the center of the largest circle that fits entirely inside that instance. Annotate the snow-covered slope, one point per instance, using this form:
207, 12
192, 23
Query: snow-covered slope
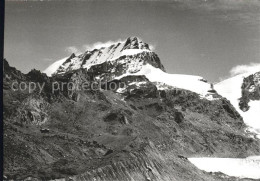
231, 89
53, 67
188, 82
238, 167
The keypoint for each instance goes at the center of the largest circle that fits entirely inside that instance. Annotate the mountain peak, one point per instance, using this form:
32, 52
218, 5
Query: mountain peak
131, 48
133, 38
72, 55
135, 43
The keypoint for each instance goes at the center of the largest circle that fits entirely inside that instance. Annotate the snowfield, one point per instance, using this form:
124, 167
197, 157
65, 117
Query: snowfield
238, 167
231, 89
182, 81
53, 67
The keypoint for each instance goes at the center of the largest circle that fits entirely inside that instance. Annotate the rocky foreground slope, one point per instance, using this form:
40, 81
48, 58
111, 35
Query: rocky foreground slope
142, 131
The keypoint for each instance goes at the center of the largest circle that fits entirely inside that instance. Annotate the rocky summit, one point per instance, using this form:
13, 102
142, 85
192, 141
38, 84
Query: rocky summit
127, 119
126, 53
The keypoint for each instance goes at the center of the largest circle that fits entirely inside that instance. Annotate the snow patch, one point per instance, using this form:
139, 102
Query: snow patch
128, 52
187, 82
53, 67
237, 167
137, 83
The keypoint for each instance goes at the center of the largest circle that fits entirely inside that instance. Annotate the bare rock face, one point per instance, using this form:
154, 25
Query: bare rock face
33, 110
10, 73
179, 117
250, 90
117, 117
132, 86
135, 43
230, 109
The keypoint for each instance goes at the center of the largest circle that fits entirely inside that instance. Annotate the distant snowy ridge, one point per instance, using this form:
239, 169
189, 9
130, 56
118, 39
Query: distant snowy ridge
231, 89
53, 67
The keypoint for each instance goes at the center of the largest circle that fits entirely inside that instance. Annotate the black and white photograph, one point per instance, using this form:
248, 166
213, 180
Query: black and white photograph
137, 90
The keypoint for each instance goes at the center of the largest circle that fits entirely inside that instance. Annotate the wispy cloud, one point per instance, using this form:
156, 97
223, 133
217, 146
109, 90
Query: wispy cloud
98, 45
239, 11
241, 69
217, 4
47, 59
73, 49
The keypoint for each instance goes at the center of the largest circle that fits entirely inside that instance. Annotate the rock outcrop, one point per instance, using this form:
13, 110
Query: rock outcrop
250, 91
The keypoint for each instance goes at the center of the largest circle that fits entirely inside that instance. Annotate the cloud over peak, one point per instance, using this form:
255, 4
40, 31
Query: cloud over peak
98, 45
241, 69
73, 49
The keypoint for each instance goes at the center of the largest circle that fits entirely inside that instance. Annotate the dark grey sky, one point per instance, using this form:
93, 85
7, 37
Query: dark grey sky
204, 38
